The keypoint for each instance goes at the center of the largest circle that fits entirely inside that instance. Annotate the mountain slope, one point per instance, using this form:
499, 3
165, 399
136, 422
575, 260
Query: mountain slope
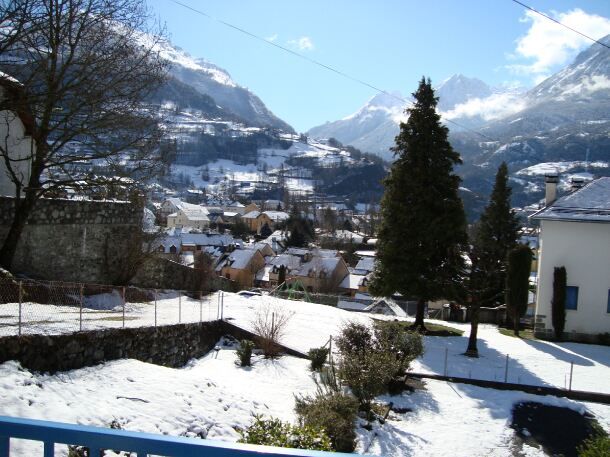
207, 79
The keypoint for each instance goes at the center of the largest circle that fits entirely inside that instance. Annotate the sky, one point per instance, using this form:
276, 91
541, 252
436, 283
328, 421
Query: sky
388, 44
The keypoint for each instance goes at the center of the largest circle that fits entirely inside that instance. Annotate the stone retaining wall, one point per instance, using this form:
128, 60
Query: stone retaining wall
76, 241
171, 346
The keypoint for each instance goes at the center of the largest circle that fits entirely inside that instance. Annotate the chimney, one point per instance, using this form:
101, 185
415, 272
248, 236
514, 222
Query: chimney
550, 180
577, 182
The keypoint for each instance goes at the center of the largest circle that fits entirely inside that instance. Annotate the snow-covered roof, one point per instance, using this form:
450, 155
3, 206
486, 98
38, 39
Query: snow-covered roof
591, 203
292, 262
263, 273
319, 264
238, 259
352, 282
251, 215
366, 263
386, 306
277, 216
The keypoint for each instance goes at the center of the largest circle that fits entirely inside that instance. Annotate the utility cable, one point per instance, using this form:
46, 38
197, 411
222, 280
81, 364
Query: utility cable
320, 64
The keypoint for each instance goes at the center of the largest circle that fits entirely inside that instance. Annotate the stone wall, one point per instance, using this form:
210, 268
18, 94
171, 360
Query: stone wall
171, 346
78, 241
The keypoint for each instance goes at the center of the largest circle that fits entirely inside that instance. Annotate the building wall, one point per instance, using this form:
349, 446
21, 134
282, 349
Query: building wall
19, 145
584, 249
80, 241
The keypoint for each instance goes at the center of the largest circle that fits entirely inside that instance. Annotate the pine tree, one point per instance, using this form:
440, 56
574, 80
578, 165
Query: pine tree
495, 234
517, 282
423, 228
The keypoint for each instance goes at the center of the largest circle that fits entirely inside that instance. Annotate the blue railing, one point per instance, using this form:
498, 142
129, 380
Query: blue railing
96, 439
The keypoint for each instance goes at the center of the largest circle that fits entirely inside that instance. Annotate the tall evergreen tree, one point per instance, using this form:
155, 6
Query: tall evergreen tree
517, 282
495, 234
423, 228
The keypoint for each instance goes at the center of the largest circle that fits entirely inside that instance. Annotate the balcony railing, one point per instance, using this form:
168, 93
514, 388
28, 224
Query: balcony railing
96, 439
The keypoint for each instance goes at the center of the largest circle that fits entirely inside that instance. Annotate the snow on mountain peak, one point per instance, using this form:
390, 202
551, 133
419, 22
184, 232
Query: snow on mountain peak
179, 57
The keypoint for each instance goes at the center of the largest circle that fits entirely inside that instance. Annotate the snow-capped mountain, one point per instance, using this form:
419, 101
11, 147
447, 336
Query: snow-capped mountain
209, 80
374, 127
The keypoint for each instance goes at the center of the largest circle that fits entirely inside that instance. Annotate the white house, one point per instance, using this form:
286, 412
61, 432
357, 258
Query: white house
189, 215
575, 233
16, 143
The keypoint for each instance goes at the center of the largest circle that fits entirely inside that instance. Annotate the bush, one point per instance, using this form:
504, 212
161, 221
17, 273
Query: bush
370, 361
274, 432
334, 412
596, 446
603, 339
270, 325
317, 357
244, 353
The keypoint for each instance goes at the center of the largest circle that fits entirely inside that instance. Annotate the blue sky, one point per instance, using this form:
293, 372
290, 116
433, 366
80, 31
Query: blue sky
389, 44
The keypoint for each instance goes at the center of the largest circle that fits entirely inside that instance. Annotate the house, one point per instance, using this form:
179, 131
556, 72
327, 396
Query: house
189, 215
321, 274
269, 275
16, 129
255, 220
277, 217
575, 234
241, 266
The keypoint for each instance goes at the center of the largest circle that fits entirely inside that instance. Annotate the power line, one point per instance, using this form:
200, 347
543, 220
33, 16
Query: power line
320, 64
560, 23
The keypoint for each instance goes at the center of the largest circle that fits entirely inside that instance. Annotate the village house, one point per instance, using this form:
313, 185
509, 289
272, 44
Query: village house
16, 142
575, 234
321, 274
241, 266
189, 215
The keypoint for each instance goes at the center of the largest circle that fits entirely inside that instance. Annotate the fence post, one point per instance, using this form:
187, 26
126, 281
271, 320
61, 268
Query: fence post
506, 370
123, 293
218, 306
222, 305
571, 372
446, 357
179, 307
80, 311
155, 308
20, 304
200, 307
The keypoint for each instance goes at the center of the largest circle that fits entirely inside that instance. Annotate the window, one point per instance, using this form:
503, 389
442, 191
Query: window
571, 297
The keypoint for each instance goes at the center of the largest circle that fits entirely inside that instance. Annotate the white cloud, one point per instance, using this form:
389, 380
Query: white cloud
272, 38
489, 108
548, 45
303, 43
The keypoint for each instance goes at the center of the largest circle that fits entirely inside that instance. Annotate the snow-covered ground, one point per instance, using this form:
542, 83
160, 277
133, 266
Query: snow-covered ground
212, 397
311, 325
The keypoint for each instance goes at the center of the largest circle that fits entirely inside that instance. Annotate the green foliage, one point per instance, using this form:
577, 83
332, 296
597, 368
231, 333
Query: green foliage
317, 357
244, 353
495, 234
332, 411
301, 230
558, 302
423, 229
274, 432
371, 360
596, 446
240, 229
517, 282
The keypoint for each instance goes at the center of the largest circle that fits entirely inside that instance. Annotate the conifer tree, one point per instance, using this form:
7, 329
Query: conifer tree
495, 235
517, 282
423, 228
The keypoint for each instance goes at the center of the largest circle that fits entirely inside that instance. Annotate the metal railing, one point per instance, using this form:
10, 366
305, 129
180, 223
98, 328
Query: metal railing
97, 439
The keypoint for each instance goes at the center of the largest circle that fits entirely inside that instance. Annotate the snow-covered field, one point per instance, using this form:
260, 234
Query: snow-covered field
212, 396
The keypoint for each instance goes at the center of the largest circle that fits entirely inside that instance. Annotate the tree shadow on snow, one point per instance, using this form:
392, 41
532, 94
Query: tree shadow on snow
580, 354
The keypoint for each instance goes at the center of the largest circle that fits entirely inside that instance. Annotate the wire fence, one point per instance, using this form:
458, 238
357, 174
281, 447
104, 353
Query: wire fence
41, 307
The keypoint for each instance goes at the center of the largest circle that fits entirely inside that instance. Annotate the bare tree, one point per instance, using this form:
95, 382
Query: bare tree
270, 325
83, 70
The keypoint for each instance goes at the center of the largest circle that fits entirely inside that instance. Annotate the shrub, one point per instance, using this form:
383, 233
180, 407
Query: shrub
603, 339
244, 353
317, 357
334, 412
596, 446
274, 432
370, 361
270, 325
